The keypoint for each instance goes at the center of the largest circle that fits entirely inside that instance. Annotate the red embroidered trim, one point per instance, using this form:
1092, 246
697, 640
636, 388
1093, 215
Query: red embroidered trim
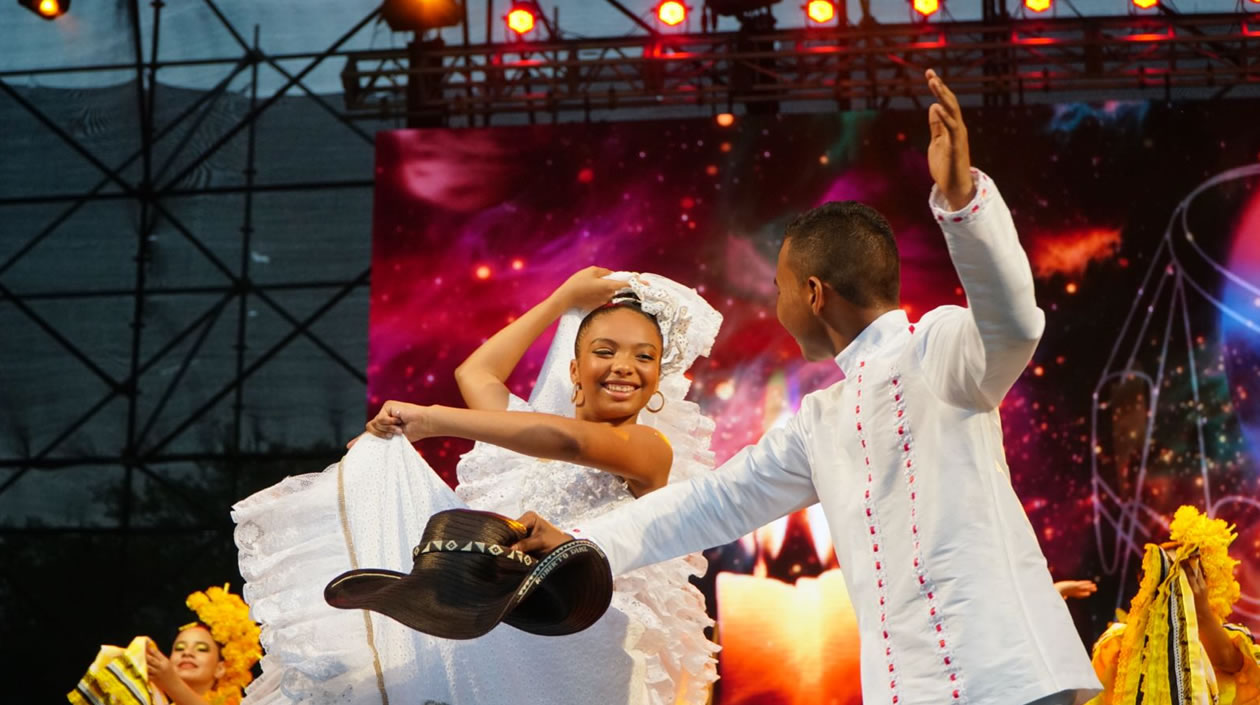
927, 589
872, 523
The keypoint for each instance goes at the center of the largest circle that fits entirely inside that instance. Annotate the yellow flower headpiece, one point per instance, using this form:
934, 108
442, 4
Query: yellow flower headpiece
1212, 537
227, 616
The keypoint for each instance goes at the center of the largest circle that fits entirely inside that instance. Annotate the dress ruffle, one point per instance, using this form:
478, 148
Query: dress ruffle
368, 511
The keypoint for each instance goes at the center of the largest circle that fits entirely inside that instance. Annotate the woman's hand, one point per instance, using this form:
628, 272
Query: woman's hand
161, 670
1076, 588
397, 417
588, 289
1198, 586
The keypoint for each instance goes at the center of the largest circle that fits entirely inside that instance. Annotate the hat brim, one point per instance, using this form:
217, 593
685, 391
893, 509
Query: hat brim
570, 596
451, 597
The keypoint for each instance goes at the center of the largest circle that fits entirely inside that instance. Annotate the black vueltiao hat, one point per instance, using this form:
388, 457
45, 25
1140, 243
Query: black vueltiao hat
465, 579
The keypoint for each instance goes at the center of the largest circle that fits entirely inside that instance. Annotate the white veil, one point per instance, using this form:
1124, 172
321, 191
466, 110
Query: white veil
689, 326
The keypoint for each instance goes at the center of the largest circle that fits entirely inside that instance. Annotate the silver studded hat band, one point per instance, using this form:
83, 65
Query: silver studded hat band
453, 546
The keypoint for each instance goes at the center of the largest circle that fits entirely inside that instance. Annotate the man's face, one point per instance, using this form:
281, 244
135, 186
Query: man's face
794, 312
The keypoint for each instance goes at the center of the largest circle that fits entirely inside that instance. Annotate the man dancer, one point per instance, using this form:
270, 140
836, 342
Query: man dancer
953, 598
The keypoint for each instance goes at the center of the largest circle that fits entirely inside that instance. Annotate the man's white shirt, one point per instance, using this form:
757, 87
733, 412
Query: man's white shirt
953, 598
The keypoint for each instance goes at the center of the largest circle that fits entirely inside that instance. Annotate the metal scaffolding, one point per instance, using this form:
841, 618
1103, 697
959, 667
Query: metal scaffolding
145, 487
151, 193
1003, 60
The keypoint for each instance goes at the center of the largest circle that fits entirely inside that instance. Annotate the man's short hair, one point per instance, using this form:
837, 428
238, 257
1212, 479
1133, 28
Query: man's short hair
850, 247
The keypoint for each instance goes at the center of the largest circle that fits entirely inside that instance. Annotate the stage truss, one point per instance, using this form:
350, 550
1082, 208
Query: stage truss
1003, 62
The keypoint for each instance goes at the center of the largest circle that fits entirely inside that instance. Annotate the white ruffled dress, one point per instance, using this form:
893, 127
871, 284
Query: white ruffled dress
370, 509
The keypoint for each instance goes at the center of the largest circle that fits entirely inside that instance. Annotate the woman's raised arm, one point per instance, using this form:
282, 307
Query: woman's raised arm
482, 378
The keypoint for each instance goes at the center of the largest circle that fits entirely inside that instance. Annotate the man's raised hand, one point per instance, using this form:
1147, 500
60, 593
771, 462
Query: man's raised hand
949, 155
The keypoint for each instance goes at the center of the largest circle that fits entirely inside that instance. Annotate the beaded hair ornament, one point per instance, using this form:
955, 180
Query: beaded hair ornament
663, 300
227, 617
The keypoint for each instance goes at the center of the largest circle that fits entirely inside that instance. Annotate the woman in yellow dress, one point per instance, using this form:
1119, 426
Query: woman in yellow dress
1174, 646
210, 663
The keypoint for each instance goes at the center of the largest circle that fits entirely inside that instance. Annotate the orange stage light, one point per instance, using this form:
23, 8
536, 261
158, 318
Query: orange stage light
671, 12
47, 9
1037, 5
927, 8
521, 20
1145, 4
820, 11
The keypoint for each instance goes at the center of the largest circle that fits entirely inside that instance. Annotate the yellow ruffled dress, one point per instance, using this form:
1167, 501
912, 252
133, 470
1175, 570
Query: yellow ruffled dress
118, 676
1153, 655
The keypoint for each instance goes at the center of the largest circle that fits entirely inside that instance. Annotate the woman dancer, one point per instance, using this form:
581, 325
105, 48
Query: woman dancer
580, 446
1174, 645
210, 661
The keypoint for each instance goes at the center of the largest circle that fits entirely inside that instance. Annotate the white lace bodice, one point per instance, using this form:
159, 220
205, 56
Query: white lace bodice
499, 480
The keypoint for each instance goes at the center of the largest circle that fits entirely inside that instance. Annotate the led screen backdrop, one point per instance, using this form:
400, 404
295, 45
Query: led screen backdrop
1142, 223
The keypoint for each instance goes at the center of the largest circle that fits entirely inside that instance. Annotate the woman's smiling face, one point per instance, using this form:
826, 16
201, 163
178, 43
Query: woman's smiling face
618, 365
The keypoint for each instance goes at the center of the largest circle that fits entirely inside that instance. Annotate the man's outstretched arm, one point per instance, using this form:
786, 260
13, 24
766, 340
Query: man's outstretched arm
759, 484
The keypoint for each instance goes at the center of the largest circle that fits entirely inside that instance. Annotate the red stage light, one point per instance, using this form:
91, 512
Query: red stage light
1145, 4
520, 19
671, 12
927, 8
1037, 5
824, 11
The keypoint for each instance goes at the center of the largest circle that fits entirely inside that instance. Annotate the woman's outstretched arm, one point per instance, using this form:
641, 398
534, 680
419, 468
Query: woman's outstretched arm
482, 378
639, 454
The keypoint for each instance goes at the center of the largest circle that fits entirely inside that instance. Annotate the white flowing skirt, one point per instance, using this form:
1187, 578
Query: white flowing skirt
368, 511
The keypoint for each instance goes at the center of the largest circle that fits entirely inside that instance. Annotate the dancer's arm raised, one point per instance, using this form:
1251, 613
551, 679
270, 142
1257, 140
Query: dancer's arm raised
482, 378
1221, 650
637, 453
974, 355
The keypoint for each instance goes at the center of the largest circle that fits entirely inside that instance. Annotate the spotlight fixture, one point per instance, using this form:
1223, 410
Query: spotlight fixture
522, 17
820, 11
47, 9
671, 12
1037, 5
421, 15
741, 8
927, 8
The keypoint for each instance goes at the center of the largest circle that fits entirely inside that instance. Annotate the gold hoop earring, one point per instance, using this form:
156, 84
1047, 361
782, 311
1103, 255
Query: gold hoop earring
573, 397
657, 409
